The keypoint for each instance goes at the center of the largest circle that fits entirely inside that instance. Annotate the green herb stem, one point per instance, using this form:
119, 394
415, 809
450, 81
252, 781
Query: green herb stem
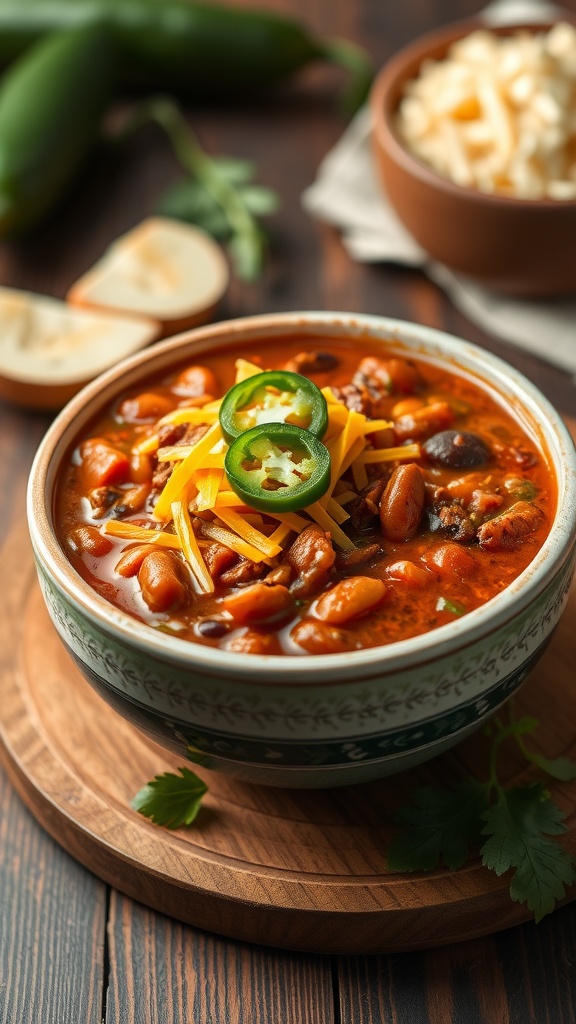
244, 228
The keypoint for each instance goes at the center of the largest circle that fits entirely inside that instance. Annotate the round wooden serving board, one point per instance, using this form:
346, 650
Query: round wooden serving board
295, 869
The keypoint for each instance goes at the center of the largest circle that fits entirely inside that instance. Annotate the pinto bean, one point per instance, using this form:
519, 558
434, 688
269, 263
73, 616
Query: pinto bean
252, 642
311, 556
131, 559
350, 599
409, 572
402, 503
161, 578
103, 465
87, 540
508, 530
146, 408
258, 604
197, 380
453, 561
320, 638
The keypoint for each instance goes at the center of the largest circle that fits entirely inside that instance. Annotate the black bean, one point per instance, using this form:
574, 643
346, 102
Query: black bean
457, 449
212, 628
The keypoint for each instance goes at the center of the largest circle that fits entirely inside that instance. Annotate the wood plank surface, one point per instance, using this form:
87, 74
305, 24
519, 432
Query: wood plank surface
165, 973
51, 911
52, 926
522, 976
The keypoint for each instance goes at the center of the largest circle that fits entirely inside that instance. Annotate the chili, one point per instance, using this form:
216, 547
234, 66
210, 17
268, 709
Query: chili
439, 497
274, 396
278, 467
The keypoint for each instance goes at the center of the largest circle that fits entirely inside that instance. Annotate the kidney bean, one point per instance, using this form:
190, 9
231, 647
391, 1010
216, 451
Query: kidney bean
350, 599
161, 578
196, 381
320, 638
87, 540
402, 503
258, 603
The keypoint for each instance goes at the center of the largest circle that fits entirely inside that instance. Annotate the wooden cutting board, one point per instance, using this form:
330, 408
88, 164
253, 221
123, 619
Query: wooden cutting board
295, 869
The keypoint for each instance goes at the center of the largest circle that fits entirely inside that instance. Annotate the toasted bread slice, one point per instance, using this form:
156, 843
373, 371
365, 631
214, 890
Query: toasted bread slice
48, 350
164, 269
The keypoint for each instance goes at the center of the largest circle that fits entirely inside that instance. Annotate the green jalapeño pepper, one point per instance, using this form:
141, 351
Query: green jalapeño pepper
277, 467
276, 396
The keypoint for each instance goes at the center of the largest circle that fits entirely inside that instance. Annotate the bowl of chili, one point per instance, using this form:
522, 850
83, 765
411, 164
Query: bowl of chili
307, 549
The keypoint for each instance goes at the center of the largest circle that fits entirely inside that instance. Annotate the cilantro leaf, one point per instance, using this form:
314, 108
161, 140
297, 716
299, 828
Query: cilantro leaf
517, 826
442, 825
171, 800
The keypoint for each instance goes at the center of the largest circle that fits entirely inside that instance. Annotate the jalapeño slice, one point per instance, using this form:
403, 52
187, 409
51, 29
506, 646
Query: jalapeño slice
277, 396
278, 467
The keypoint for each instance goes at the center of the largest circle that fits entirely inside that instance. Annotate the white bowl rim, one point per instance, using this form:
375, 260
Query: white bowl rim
350, 666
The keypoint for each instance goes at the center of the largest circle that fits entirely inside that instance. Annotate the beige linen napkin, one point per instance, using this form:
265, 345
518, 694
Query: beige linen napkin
347, 194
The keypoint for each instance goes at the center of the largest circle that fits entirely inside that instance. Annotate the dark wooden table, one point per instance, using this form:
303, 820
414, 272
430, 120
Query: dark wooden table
73, 952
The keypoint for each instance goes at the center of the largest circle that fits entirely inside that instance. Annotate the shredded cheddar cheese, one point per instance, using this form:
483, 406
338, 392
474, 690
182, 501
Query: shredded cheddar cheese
129, 531
192, 552
198, 484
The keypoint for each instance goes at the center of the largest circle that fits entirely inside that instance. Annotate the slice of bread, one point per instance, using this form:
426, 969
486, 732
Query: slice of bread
164, 269
49, 350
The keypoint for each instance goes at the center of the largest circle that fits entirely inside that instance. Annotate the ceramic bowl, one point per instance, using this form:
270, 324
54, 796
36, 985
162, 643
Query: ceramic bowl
513, 246
322, 720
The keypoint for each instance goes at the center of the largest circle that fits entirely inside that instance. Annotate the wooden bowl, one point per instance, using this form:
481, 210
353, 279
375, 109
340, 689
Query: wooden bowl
513, 246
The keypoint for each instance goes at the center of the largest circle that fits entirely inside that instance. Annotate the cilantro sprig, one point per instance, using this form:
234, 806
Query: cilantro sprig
511, 827
171, 800
514, 829
217, 194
